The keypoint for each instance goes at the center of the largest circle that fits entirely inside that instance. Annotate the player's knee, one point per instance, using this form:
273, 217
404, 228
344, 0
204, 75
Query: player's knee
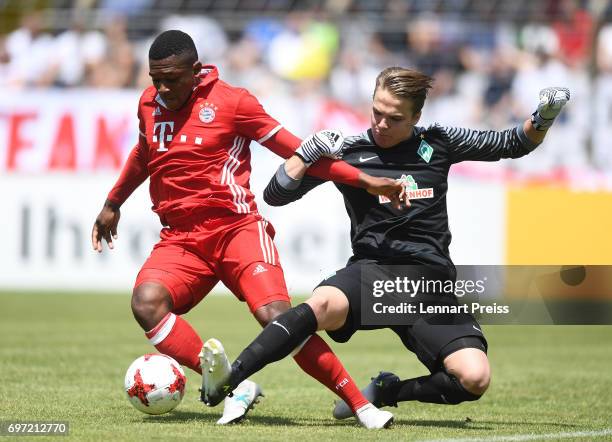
150, 303
470, 366
330, 307
268, 312
319, 303
475, 378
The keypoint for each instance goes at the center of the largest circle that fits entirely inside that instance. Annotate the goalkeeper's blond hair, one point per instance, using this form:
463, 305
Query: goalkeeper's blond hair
405, 83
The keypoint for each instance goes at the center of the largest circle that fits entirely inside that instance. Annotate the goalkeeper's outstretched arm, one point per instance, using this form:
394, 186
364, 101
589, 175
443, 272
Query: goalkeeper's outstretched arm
491, 145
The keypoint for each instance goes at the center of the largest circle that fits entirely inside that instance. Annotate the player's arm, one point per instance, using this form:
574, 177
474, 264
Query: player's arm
253, 121
490, 145
133, 174
315, 155
284, 144
290, 183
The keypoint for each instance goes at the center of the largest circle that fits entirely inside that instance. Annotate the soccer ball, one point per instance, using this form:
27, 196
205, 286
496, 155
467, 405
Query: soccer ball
155, 383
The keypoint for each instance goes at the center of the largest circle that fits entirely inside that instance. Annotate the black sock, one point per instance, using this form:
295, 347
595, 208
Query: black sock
437, 388
277, 340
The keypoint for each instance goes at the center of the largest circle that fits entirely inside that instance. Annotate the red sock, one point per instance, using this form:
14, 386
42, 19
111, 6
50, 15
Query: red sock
320, 362
173, 336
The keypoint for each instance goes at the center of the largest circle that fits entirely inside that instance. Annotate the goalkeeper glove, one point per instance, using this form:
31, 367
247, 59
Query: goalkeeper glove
552, 100
325, 143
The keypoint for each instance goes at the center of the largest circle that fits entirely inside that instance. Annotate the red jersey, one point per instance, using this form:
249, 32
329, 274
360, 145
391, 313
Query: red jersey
198, 157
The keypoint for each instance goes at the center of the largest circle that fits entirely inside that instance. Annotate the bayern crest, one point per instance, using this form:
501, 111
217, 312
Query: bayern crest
207, 113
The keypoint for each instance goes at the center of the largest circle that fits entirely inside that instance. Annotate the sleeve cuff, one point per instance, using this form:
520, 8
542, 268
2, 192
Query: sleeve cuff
112, 203
285, 180
525, 141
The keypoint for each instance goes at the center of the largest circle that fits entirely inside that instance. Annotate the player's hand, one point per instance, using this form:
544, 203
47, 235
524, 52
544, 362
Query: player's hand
105, 227
552, 100
325, 143
392, 189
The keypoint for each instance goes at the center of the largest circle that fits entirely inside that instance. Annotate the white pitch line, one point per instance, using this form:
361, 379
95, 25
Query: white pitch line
523, 437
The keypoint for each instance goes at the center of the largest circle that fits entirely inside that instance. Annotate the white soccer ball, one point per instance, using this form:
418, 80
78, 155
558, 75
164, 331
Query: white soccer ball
155, 383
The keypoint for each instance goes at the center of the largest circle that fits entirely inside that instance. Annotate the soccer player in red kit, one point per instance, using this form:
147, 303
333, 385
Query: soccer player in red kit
193, 146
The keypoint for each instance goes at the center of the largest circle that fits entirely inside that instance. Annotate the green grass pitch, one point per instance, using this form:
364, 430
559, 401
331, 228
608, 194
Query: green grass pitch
64, 356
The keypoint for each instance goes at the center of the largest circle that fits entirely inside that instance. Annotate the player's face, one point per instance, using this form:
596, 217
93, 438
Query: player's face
174, 78
392, 118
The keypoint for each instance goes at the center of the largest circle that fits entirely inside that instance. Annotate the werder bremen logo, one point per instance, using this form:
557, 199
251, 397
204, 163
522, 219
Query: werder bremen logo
425, 151
412, 190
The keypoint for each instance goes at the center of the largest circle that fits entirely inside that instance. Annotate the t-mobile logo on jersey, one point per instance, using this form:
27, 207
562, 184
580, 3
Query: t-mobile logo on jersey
163, 137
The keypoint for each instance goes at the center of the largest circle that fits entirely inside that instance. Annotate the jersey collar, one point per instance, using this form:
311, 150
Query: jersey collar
208, 75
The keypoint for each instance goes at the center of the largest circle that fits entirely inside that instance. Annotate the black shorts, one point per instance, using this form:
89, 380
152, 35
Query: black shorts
431, 336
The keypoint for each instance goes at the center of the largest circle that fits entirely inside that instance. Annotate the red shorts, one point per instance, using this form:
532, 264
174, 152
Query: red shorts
236, 249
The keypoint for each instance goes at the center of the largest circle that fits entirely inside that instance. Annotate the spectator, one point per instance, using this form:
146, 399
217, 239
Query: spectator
352, 78
602, 108
425, 49
122, 8
118, 67
573, 30
4, 63
497, 100
305, 50
571, 133
30, 52
77, 52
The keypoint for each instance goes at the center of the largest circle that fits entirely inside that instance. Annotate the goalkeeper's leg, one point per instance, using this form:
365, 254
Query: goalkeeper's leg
294, 332
250, 268
460, 372
465, 377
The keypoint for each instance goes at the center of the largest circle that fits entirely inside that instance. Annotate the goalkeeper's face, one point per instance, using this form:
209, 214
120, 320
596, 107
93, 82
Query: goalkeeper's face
392, 118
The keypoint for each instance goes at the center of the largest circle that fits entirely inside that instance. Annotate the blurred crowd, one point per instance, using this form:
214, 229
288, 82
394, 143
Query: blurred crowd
488, 66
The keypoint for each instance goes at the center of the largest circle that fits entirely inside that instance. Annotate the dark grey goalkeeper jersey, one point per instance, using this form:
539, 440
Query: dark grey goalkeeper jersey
418, 234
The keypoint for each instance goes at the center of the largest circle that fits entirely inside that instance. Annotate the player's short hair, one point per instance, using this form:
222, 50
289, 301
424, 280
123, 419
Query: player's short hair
405, 83
171, 43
